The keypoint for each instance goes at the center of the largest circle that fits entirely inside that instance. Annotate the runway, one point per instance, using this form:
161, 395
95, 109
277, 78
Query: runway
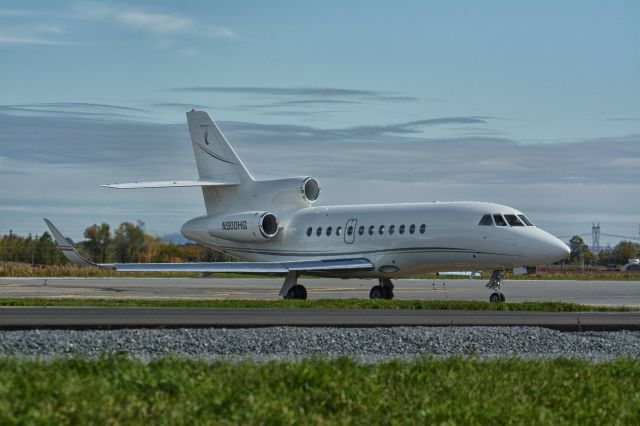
97, 318
610, 293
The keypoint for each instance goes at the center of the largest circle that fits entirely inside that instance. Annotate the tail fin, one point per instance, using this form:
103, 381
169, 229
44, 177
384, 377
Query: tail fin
215, 158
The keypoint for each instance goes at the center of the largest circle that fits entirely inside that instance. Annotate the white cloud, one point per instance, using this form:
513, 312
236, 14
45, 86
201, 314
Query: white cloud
34, 34
152, 22
17, 39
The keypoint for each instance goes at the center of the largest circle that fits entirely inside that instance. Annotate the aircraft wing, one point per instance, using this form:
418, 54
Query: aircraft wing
215, 267
249, 267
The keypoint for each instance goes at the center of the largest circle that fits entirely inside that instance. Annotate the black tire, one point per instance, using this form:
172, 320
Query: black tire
495, 298
298, 292
387, 293
290, 293
376, 292
502, 297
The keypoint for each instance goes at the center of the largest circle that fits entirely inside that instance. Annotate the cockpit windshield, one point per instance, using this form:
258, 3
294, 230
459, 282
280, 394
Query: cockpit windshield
499, 220
486, 220
525, 220
513, 220
505, 220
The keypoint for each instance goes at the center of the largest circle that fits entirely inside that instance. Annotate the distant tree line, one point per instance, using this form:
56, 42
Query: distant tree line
127, 243
618, 255
38, 250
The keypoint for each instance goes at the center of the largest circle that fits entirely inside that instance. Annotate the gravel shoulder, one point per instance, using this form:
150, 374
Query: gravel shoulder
295, 343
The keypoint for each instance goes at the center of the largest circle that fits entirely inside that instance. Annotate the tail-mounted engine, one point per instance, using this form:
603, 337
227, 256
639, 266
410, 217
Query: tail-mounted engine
247, 226
310, 189
285, 194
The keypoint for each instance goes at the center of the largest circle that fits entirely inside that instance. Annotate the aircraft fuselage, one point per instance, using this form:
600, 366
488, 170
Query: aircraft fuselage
399, 239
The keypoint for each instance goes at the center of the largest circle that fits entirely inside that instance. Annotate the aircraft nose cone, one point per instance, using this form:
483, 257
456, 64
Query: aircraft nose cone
556, 248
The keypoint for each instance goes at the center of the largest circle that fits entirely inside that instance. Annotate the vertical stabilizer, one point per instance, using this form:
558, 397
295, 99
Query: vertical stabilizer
215, 158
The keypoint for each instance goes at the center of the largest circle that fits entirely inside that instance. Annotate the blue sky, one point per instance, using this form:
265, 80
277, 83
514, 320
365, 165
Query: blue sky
534, 105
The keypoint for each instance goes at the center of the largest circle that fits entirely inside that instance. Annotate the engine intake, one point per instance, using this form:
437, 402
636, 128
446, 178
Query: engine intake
246, 226
310, 189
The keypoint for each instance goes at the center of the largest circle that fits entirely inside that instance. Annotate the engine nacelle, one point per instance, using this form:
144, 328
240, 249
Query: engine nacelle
310, 189
246, 226
285, 194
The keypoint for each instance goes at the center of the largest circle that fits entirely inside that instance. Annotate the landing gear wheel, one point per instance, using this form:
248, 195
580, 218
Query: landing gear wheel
496, 298
387, 293
495, 283
377, 292
297, 292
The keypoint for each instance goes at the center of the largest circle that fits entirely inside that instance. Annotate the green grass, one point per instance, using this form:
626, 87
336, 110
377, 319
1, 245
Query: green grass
319, 304
119, 390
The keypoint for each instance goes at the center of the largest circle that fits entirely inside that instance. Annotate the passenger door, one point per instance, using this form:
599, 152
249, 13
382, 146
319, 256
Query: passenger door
350, 231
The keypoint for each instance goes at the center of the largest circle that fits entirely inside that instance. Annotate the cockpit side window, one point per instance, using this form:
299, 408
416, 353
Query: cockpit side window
513, 220
525, 220
499, 220
486, 220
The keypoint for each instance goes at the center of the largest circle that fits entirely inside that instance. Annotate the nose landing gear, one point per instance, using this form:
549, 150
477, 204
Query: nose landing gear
494, 284
384, 290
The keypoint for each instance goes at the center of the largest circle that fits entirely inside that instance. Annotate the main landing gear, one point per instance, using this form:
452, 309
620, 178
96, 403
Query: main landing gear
494, 284
291, 289
384, 290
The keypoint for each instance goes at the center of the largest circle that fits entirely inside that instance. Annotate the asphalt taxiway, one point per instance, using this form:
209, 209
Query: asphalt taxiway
92, 318
609, 293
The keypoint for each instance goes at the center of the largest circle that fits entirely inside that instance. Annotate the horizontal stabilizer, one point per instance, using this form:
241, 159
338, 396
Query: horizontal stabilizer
168, 184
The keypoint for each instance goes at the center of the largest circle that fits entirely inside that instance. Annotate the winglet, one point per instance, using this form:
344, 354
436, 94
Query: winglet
67, 249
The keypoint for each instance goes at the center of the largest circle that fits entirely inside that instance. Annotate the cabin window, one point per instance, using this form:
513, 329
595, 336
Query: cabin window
309, 231
371, 229
381, 230
525, 220
392, 229
412, 229
350, 230
486, 220
513, 220
423, 228
339, 230
499, 220
361, 230
329, 229
319, 231
401, 229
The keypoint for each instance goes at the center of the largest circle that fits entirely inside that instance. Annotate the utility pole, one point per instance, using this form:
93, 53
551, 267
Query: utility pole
595, 237
10, 245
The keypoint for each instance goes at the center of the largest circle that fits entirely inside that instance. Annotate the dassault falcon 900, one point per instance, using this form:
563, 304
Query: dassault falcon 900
273, 227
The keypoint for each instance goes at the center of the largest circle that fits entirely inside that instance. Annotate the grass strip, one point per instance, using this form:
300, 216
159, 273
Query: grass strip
319, 304
119, 390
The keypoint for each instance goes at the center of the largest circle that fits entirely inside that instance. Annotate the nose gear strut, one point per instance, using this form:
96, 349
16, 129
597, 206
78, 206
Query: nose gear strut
494, 284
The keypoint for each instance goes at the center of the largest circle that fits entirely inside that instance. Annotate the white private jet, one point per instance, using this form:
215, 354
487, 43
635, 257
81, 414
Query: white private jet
274, 228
